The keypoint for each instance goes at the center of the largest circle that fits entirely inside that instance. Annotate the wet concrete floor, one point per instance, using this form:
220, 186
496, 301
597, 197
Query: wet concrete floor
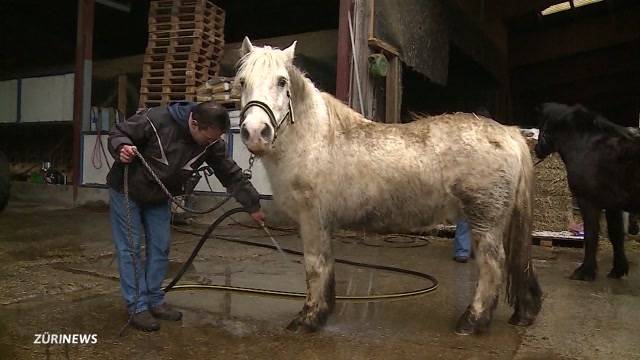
58, 277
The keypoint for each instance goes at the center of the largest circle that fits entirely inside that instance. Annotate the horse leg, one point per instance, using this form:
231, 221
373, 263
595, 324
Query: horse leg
633, 224
490, 257
615, 230
318, 263
591, 218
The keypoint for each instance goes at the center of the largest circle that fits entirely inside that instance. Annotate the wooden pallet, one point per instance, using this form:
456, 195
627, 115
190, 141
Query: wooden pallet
164, 4
174, 65
184, 26
160, 81
194, 41
172, 57
552, 241
169, 3
214, 21
154, 79
176, 73
210, 37
201, 51
168, 89
214, 13
166, 97
172, 34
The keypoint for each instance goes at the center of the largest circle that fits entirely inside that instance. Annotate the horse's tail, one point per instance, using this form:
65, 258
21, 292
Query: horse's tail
523, 290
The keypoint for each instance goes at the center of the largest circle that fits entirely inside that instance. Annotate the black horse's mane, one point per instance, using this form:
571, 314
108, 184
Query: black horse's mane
577, 117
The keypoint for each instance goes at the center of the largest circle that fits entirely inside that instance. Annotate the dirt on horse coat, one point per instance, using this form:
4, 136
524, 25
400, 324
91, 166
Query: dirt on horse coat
333, 168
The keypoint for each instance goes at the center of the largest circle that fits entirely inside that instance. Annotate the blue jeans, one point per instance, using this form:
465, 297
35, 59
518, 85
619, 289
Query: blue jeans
462, 241
155, 221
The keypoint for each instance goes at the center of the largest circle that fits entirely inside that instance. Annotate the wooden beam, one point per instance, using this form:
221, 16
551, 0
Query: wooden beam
115, 5
363, 97
82, 82
393, 91
516, 8
344, 52
615, 85
623, 58
381, 45
122, 94
577, 36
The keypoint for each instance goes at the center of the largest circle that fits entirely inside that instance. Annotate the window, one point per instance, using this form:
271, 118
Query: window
567, 5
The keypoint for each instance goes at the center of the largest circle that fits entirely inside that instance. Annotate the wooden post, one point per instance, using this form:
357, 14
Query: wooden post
122, 94
344, 52
82, 82
394, 90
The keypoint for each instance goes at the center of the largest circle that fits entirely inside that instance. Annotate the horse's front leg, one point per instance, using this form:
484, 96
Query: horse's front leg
318, 263
615, 229
591, 218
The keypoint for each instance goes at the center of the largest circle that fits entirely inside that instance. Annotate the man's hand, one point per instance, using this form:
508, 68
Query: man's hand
127, 153
259, 217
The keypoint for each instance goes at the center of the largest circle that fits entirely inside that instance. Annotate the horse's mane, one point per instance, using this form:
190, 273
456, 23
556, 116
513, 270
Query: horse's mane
339, 113
577, 117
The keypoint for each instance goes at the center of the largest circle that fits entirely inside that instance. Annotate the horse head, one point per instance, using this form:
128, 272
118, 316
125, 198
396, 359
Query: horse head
265, 94
548, 116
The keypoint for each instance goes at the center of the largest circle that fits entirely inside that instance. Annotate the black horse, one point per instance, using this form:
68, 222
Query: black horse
603, 171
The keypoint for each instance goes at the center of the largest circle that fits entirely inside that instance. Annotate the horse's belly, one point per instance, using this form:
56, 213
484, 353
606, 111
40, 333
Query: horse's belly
398, 217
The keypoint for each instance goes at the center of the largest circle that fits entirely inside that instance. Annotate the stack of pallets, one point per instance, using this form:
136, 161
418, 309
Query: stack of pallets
186, 41
222, 90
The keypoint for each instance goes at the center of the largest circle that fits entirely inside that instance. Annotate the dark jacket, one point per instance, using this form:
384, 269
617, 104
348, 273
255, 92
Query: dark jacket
162, 136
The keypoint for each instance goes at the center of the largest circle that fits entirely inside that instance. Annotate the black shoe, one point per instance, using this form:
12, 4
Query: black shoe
461, 259
166, 312
144, 321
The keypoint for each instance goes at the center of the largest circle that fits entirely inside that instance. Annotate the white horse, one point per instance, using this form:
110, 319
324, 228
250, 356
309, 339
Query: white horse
329, 167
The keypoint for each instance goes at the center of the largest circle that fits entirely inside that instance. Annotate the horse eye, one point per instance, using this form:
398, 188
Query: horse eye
282, 82
241, 82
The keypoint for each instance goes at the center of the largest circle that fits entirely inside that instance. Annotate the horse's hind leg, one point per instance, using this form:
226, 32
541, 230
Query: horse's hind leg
591, 217
489, 254
633, 224
615, 229
318, 263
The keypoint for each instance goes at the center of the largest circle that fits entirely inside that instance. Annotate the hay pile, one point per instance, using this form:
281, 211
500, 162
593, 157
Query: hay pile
553, 210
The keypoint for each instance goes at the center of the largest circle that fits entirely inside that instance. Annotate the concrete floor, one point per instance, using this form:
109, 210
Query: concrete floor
57, 277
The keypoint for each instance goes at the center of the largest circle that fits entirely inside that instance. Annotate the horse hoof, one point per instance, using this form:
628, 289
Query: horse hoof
468, 326
300, 327
308, 322
518, 321
583, 275
617, 273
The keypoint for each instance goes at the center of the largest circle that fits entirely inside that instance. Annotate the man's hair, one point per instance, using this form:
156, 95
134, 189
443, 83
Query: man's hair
209, 113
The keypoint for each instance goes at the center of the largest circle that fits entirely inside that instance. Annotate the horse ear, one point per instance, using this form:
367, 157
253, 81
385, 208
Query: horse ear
246, 47
289, 52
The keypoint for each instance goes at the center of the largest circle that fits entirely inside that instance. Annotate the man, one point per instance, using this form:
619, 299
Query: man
174, 140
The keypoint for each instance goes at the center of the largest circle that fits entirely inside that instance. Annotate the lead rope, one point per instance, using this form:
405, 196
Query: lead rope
168, 194
248, 174
133, 249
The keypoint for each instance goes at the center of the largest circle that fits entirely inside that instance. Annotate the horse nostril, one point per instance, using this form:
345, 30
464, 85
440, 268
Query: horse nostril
244, 133
266, 133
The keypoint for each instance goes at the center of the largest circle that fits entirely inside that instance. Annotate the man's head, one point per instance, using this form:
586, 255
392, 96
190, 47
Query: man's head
207, 122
